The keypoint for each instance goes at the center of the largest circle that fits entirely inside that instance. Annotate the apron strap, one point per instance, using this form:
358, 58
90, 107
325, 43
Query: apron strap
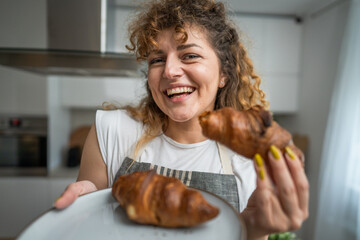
225, 159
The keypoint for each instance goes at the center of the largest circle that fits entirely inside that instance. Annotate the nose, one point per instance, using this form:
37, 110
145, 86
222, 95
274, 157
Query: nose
173, 67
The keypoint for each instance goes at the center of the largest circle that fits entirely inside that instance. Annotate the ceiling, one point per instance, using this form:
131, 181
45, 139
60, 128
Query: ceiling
296, 7
287, 7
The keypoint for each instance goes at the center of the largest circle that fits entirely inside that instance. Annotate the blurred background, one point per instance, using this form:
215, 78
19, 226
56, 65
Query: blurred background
60, 60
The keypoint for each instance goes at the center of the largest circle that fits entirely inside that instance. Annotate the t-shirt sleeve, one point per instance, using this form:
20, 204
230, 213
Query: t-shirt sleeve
117, 135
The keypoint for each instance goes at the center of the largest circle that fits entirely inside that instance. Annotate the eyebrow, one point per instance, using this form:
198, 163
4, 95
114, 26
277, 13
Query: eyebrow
185, 46
179, 48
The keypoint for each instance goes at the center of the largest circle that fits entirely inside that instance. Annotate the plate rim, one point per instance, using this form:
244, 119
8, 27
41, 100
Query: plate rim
241, 220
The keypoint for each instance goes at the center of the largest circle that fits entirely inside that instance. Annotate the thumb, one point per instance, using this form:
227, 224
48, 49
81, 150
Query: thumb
73, 191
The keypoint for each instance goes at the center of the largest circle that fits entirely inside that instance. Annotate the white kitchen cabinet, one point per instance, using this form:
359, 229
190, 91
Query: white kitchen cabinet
274, 45
22, 93
281, 91
251, 30
24, 199
91, 92
282, 46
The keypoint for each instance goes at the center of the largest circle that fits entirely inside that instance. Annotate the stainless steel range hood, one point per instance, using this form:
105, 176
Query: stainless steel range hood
80, 38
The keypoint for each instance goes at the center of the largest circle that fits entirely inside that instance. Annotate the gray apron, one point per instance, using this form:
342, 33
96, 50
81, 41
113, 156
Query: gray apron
223, 185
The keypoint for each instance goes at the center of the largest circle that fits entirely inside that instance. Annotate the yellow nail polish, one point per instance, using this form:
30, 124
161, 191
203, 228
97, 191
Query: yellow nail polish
262, 174
275, 152
258, 160
290, 152
57, 199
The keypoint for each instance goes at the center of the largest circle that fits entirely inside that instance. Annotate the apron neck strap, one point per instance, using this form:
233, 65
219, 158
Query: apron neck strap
225, 159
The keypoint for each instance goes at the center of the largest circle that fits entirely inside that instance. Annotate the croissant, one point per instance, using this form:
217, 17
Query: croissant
149, 198
247, 132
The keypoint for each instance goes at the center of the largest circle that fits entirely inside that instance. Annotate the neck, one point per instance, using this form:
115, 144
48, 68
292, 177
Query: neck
185, 132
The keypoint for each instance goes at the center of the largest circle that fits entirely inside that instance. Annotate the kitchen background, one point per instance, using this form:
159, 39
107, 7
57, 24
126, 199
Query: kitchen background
295, 47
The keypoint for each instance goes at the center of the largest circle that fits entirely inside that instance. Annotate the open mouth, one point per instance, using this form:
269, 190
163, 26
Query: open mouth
179, 92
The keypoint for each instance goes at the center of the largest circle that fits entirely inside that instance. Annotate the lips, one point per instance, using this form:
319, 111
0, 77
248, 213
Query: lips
179, 91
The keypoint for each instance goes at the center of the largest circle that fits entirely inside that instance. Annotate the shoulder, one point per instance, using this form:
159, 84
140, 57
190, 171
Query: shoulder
116, 122
115, 118
112, 116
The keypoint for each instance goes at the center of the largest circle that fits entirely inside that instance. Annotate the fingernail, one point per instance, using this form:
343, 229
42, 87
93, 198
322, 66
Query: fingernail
258, 160
275, 152
262, 174
290, 152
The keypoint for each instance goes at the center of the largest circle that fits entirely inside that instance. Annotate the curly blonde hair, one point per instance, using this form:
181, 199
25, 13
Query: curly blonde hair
241, 90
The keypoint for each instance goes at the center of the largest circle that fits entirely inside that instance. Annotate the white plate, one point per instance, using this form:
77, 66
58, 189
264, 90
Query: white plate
99, 216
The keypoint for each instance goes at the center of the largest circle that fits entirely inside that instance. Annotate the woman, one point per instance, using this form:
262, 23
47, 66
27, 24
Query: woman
196, 63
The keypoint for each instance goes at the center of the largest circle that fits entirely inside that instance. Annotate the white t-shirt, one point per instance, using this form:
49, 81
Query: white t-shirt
118, 134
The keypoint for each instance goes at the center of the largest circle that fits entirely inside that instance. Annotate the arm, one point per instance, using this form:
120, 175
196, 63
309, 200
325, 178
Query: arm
92, 174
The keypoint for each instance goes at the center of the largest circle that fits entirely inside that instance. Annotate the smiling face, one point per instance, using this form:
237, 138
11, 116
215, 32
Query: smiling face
184, 77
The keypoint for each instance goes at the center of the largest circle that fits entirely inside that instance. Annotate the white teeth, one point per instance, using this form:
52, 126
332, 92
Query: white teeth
179, 90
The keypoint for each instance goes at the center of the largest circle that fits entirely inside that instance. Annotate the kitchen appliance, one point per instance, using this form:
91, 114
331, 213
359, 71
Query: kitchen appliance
81, 41
23, 145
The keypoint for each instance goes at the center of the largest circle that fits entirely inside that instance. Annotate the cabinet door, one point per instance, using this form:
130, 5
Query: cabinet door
281, 91
282, 46
251, 32
32, 95
274, 45
82, 92
22, 200
22, 93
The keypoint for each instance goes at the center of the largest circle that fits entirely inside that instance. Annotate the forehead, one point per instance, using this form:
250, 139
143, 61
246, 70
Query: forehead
194, 35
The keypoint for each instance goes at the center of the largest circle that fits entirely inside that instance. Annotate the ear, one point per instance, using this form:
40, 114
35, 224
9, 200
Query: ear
222, 81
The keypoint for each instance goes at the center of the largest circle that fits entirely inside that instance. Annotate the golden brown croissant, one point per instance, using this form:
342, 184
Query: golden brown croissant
246, 132
149, 198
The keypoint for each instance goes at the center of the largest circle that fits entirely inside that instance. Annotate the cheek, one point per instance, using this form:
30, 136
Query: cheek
152, 83
209, 75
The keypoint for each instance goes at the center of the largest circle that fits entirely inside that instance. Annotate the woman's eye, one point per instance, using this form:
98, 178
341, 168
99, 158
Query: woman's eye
190, 56
155, 60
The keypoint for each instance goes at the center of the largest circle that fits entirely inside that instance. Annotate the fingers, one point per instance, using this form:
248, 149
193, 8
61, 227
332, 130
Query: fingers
280, 201
263, 179
284, 183
72, 192
295, 151
299, 178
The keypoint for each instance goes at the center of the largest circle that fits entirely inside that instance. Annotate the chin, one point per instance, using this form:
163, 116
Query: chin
181, 117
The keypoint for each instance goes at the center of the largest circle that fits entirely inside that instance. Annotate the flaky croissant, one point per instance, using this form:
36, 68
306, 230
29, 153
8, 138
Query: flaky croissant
149, 198
246, 132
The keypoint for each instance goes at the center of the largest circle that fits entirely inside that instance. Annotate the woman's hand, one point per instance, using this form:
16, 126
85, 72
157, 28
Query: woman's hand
280, 201
73, 191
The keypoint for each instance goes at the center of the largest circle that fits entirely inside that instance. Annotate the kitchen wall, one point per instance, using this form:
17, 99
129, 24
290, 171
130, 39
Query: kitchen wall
321, 46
